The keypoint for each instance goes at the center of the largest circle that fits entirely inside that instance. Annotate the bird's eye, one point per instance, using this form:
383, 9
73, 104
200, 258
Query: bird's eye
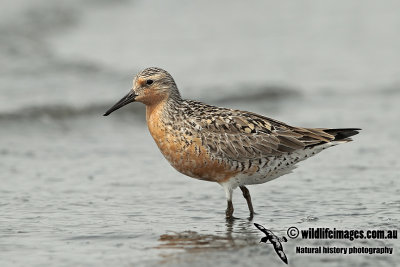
148, 82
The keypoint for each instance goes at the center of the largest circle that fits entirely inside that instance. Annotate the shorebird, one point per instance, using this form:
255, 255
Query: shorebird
231, 147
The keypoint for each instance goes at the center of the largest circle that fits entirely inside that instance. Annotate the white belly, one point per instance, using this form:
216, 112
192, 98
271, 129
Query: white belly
275, 167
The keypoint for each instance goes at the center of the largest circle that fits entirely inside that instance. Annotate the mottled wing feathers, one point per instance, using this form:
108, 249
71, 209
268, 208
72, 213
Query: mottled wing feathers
240, 146
240, 135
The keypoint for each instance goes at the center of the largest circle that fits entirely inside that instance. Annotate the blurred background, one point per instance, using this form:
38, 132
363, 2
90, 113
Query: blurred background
78, 188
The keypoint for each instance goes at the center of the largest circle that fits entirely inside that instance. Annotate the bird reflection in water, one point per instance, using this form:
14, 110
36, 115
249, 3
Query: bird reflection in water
234, 237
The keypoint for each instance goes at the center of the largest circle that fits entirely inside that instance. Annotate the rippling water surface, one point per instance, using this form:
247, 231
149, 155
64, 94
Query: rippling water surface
81, 189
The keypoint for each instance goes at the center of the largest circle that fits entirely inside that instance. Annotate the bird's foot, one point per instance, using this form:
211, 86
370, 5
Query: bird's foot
229, 215
231, 219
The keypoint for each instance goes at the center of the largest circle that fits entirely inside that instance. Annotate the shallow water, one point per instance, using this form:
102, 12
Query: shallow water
81, 189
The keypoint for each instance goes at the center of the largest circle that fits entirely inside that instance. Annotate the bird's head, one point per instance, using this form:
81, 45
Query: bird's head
150, 87
264, 239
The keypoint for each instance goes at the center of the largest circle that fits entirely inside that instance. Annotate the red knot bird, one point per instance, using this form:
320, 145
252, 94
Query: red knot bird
231, 147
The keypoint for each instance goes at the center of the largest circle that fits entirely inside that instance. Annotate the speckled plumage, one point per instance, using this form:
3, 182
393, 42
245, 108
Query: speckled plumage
231, 147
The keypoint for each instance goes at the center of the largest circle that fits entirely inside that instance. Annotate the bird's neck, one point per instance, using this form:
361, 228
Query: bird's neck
160, 117
156, 112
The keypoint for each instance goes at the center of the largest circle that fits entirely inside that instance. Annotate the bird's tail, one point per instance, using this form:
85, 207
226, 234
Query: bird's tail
342, 135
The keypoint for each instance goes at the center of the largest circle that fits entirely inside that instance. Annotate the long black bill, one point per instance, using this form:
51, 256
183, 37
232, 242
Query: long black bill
129, 98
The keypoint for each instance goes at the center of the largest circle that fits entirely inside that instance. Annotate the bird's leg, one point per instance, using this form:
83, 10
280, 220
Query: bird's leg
229, 208
246, 195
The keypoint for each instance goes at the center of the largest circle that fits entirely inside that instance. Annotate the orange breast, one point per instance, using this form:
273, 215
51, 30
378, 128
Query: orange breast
185, 153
